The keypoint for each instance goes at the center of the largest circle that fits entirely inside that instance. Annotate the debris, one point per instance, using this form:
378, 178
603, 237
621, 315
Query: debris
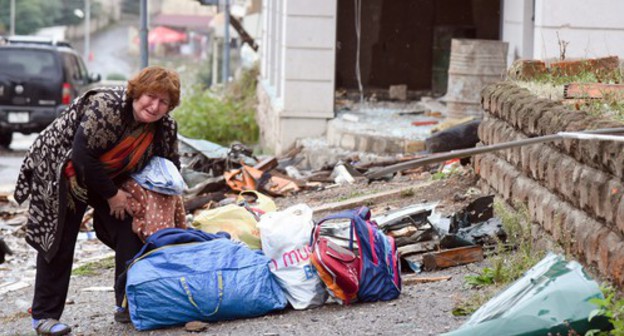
10, 286
404, 232
196, 326
200, 201
433, 107
342, 175
463, 153
345, 173
424, 123
4, 250
350, 117
244, 36
293, 172
98, 289
593, 90
267, 164
413, 279
452, 257
485, 233
398, 92
552, 298
451, 122
357, 201
417, 248
249, 178
384, 163
207, 185
417, 112
460, 136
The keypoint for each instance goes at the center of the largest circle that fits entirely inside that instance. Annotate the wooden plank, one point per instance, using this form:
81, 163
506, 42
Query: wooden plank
417, 248
414, 279
267, 164
593, 90
404, 232
363, 200
452, 257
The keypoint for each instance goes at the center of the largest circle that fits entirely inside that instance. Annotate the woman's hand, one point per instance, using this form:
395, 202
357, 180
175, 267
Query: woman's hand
120, 204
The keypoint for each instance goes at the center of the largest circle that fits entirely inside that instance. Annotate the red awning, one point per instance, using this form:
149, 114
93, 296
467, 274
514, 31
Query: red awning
162, 34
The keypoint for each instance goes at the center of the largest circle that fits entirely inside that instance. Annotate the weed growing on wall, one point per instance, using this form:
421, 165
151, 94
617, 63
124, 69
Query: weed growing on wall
222, 116
510, 260
611, 307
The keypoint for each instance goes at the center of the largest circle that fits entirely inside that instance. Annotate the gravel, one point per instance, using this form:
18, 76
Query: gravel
422, 309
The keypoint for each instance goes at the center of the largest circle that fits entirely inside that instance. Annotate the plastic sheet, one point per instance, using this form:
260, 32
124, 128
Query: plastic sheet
551, 298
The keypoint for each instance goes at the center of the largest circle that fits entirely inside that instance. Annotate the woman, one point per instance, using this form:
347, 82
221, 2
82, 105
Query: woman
81, 159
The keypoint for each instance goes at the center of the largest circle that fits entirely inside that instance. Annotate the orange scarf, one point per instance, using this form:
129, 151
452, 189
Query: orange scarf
120, 159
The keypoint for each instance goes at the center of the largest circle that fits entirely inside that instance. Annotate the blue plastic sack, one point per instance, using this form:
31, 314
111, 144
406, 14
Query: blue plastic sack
210, 281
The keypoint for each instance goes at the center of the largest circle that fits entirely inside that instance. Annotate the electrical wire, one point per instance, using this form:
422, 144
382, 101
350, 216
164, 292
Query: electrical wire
358, 28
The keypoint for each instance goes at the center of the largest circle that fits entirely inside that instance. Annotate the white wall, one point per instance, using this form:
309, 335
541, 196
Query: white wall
593, 28
297, 70
518, 28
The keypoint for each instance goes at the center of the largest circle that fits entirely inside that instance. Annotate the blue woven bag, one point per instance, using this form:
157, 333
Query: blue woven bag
208, 281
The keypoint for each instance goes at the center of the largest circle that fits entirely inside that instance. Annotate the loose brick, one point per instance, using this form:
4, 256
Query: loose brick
527, 69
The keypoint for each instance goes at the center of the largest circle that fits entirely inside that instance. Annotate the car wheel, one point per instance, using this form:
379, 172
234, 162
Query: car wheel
5, 139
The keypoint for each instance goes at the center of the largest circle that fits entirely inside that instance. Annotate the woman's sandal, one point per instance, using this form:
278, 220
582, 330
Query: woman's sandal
45, 327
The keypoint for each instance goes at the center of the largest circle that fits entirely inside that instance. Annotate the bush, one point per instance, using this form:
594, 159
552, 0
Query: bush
221, 117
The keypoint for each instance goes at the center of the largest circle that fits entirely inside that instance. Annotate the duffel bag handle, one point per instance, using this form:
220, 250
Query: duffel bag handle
362, 212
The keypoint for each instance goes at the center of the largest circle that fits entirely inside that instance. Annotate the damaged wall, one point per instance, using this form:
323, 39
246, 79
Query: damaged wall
573, 189
398, 36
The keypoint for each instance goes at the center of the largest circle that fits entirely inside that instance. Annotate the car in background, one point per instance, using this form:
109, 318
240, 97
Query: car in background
39, 77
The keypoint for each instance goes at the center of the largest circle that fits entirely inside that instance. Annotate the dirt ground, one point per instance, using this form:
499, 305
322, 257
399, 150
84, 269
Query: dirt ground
422, 309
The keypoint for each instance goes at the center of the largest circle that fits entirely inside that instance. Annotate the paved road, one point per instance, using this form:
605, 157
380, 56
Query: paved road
110, 50
10, 161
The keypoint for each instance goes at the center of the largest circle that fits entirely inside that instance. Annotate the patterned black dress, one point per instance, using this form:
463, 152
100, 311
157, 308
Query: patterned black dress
93, 124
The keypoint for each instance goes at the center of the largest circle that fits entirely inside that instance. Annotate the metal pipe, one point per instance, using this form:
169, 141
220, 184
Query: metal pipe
143, 34
463, 153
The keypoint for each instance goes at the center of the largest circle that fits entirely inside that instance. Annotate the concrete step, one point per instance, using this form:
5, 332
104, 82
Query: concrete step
381, 129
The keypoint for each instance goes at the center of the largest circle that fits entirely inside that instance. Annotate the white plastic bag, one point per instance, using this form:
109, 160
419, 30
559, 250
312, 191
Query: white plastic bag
285, 236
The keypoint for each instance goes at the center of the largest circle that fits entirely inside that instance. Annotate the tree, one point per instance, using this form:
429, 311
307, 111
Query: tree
32, 15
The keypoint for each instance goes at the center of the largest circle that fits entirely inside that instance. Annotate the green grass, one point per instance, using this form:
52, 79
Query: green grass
506, 265
407, 193
611, 307
94, 268
610, 106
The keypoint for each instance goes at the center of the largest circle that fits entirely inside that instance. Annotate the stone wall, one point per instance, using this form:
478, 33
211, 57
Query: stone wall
573, 188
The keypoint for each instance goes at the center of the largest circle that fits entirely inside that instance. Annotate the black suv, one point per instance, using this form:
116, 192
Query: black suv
39, 77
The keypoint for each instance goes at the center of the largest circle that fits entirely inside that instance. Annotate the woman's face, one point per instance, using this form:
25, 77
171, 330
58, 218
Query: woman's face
150, 107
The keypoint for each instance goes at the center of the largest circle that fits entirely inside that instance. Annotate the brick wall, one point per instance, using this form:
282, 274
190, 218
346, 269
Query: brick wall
573, 189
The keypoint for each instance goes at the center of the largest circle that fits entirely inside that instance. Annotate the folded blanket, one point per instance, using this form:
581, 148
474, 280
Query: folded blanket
162, 176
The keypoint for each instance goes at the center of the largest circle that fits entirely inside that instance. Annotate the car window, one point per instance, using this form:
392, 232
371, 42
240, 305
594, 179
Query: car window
73, 68
29, 62
84, 74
